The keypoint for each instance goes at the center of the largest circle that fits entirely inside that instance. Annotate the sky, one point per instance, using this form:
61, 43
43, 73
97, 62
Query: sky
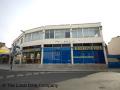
16, 15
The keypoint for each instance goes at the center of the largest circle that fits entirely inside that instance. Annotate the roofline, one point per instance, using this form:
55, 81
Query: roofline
44, 27
62, 25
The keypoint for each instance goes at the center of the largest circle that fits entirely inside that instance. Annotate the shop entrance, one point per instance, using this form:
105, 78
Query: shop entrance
32, 55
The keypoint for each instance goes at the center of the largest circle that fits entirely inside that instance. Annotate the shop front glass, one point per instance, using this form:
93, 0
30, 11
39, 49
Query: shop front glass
31, 55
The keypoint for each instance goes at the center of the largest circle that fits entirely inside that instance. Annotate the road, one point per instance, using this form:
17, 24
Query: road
12, 80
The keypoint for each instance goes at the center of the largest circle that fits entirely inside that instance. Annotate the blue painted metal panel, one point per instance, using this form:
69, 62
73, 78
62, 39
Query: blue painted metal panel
99, 56
114, 64
88, 56
113, 56
57, 55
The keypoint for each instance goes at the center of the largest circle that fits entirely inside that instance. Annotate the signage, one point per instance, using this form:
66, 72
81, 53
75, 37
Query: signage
3, 51
83, 57
32, 50
88, 48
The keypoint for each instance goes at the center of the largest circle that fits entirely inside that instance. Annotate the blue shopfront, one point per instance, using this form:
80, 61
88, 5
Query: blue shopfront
57, 54
88, 53
82, 54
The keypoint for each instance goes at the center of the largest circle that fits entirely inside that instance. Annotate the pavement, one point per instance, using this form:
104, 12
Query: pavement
96, 81
5, 66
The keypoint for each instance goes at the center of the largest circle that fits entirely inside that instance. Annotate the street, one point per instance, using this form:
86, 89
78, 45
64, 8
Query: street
20, 80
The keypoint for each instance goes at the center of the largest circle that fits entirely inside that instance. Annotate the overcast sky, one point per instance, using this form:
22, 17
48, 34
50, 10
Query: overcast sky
16, 15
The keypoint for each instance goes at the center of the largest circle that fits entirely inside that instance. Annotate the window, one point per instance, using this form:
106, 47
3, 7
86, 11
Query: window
28, 37
65, 45
49, 34
37, 35
41, 35
80, 34
91, 32
46, 34
97, 33
59, 34
62, 33
67, 34
77, 33
86, 32
74, 33
48, 45
56, 45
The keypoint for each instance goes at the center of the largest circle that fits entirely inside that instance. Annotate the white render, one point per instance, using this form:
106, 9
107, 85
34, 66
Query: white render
114, 46
63, 40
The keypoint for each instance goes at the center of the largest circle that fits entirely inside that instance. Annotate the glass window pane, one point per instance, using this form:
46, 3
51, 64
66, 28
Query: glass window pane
74, 33
56, 45
67, 34
59, 34
35, 36
80, 33
91, 32
65, 45
77, 33
86, 32
46, 34
41, 35
27, 37
62, 33
97, 33
48, 45
51, 33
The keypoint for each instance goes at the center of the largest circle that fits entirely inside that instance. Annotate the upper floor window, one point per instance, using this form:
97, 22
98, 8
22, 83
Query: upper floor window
41, 35
91, 32
67, 34
28, 37
77, 33
49, 34
37, 35
62, 33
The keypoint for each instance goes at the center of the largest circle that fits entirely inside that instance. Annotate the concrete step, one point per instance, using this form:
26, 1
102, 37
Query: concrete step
60, 67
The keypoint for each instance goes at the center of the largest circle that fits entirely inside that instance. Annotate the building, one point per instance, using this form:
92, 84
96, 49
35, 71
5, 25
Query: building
2, 44
61, 44
4, 54
114, 53
114, 46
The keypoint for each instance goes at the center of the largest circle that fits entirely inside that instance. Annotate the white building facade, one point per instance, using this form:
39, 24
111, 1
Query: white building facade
62, 44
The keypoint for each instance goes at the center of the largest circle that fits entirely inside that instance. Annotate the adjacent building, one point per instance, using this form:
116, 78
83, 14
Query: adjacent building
114, 46
4, 53
114, 52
